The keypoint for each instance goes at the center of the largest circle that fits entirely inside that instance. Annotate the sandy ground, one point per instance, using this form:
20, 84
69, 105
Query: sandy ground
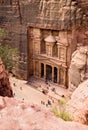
23, 91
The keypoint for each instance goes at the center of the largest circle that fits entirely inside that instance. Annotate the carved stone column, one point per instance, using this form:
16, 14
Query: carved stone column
58, 75
39, 70
34, 66
65, 77
45, 71
52, 73
65, 54
63, 73
58, 51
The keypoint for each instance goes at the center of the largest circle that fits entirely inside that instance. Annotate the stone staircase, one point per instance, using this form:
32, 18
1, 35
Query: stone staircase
51, 89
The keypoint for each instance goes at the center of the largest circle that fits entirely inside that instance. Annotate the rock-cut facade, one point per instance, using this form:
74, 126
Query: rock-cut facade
46, 33
56, 29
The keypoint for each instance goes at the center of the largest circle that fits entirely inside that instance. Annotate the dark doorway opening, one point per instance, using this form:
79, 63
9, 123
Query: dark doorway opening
55, 75
48, 73
42, 70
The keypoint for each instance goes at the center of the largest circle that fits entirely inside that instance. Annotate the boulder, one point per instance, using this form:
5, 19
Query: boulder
19, 115
78, 105
5, 88
78, 71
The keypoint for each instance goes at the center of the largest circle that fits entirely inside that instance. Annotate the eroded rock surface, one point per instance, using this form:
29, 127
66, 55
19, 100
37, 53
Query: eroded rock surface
26, 116
78, 71
61, 15
78, 105
5, 88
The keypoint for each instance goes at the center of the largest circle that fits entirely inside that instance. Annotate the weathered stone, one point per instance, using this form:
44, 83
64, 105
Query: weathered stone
79, 67
5, 88
59, 15
78, 105
25, 116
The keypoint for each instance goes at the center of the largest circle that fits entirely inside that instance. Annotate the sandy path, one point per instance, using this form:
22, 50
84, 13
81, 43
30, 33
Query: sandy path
24, 91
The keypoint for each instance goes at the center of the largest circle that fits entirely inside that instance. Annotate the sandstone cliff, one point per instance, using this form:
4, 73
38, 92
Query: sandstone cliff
58, 14
17, 15
5, 88
78, 71
78, 105
26, 116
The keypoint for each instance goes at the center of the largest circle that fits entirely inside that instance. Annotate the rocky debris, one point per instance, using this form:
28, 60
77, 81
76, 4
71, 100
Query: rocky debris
78, 71
25, 116
78, 105
5, 88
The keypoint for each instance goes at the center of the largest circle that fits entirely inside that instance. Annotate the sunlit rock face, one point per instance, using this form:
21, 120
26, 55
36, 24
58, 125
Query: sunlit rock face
78, 105
64, 19
26, 116
83, 3
78, 71
61, 15
58, 14
5, 88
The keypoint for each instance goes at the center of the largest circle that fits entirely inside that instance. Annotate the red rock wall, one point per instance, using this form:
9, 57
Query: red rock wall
5, 88
19, 115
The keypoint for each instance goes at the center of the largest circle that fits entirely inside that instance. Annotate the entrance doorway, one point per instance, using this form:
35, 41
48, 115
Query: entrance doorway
42, 70
48, 73
55, 75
